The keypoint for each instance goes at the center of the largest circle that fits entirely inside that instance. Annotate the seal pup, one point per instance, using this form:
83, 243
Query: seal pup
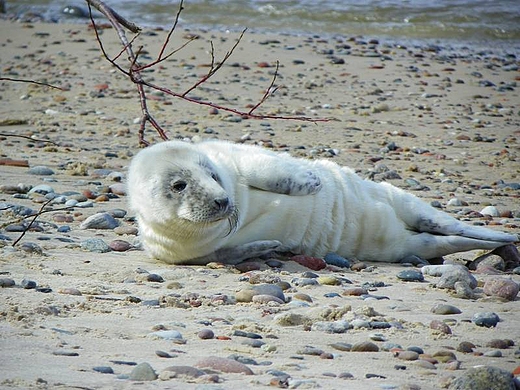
225, 202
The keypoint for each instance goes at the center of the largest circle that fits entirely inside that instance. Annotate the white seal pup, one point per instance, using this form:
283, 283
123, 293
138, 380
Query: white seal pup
219, 201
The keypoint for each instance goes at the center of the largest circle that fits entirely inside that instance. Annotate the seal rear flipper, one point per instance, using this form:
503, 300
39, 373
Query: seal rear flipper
428, 246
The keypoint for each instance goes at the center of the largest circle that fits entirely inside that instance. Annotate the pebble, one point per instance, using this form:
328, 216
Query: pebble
224, 365
340, 346
42, 189
445, 309
28, 284
166, 335
466, 347
365, 346
411, 275
70, 291
336, 260
487, 319
440, 326
328, 280
40, 170
490, 210
310, 262
119, 245
99, 221
500, 343
484, 378
143, 372
130, 230
95, 245
455, 273
180, 372
493, 353
407, 355
103, 369
358, 323
463, 290
340, 326
247, 294
264, 298
7, 282
502, 287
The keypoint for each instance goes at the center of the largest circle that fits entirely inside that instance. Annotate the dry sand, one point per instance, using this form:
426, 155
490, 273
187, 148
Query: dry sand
451, 132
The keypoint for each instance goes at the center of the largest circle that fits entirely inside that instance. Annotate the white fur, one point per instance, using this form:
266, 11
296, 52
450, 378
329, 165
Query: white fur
339, 213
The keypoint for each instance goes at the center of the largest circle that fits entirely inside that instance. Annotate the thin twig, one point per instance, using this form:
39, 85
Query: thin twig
31, 223
32, 82
28, 137
269, 91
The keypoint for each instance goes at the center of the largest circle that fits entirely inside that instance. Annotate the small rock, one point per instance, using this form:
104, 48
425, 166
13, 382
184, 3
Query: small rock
411, 275
337, 260
143, 372
487, 319
440, 326
166, 335
466, 347
493, 353
28, 284
181, 372
7, 282
444, 309
224, 365
103, 369
40, 170
407, 355
365, 346
499, 343
490, 210
484, 378
95, 245
501, 287
119, 245
99, 221
310, 262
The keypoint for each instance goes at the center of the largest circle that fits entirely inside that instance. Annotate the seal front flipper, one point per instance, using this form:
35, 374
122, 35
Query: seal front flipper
237, 254
277, 173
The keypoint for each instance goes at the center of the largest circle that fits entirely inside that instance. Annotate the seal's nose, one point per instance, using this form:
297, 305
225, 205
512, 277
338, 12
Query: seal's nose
222, 203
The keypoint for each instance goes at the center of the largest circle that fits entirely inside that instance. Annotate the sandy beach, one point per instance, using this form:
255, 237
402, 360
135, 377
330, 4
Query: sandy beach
442, 123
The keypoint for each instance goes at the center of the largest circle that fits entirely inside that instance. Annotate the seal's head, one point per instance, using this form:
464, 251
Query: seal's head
171, 185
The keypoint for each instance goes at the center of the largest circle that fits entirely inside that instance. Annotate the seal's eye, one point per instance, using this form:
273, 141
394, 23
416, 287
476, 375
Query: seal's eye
215, 177
179, 186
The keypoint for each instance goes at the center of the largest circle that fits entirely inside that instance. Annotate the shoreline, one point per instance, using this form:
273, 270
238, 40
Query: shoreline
444, 128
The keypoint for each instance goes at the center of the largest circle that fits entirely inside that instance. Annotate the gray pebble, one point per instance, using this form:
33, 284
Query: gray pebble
365, 346
103, 369
444, 309
484, 378
99, 221
28, 284
41, 171
487, 319
340, 326
309, 350
7, 282
31, 247
43, 189
95, 245
493, 353
411, 275
337, 260
143, 372
166, 334
490, 210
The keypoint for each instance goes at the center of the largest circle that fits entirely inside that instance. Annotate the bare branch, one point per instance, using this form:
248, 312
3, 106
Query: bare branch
269, 91
134, 72
32, 82
28, 137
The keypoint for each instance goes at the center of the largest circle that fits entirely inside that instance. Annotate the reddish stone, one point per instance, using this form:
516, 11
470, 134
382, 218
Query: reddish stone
314, 263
